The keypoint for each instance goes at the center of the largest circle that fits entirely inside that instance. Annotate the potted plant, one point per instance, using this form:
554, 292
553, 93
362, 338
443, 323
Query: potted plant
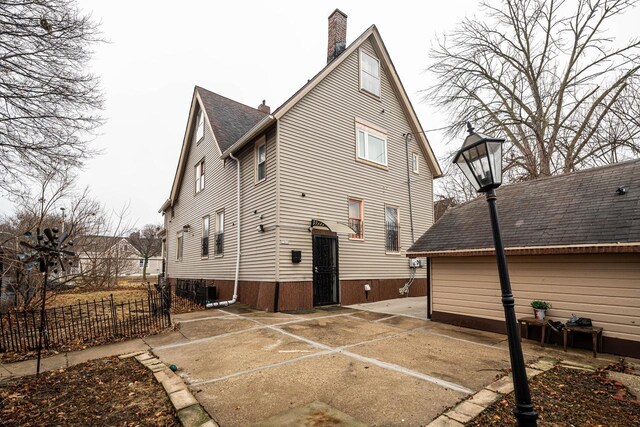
540, 308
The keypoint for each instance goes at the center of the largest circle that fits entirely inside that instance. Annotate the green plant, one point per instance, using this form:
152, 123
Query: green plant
541, 305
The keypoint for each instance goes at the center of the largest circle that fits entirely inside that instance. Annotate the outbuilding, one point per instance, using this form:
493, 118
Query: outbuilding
572, 240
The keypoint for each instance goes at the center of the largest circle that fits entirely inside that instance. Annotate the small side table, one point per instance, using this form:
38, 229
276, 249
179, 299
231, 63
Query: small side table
596, 336
528, 321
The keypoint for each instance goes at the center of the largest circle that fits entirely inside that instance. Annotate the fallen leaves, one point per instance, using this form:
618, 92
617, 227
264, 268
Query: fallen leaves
86, 394
570, 397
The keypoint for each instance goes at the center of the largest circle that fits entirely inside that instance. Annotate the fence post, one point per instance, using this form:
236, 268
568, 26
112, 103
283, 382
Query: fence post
114, 316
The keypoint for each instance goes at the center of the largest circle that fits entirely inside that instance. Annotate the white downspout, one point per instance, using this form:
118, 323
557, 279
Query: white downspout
235, 285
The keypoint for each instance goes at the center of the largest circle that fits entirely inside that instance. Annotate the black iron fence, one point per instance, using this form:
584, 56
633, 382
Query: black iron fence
192, 291
90, 322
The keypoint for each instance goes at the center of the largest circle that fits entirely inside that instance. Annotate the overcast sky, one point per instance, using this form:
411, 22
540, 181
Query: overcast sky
245, 50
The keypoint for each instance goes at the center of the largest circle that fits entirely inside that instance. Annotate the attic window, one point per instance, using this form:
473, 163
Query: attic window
369, 73
199, 176
199, 134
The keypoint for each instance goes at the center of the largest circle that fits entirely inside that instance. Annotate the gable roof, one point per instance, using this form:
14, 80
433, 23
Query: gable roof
234, 124
579, 212
229, 119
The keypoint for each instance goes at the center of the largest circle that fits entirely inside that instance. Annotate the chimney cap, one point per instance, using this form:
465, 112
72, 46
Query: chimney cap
338, 11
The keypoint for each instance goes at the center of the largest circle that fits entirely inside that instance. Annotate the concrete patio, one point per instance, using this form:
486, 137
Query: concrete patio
340, 364
248, 367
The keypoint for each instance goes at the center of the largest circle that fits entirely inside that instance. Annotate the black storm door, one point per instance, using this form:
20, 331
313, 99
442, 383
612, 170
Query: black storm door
325, 270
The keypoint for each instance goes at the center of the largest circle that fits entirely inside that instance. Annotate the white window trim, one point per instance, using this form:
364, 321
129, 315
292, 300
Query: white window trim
208, 236
179, 255
199, 125
356, 199
371, 129
388, 252
199, 180
216, 228
259, 143
415, 163
361, 72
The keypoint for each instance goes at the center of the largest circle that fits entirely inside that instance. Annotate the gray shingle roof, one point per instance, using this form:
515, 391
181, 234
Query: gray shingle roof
229, 119
579, 208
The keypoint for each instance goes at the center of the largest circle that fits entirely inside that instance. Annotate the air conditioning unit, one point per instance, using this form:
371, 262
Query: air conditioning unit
416, 263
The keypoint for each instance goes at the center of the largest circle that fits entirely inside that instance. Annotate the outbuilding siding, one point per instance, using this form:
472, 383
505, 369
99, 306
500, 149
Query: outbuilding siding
605, 288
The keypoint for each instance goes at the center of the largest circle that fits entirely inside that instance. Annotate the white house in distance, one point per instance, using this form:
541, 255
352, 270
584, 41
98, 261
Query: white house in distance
325, 194
115, 254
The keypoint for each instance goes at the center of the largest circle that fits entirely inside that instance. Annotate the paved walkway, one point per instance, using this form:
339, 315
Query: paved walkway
246, 366
410, 306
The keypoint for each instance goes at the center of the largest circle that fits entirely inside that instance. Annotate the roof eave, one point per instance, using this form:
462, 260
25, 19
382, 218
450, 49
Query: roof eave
165, 206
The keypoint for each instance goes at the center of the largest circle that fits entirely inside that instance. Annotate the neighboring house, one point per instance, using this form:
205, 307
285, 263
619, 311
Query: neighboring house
326, 209
109, 256
571, 240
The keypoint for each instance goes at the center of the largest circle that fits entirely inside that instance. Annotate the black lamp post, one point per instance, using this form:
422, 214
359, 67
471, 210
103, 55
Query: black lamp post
480, 159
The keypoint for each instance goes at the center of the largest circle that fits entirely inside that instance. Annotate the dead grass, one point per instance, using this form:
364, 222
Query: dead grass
119, 295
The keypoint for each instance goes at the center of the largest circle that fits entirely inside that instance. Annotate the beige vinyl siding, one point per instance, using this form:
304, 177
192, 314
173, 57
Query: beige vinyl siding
258, 249
605, 288
317, 141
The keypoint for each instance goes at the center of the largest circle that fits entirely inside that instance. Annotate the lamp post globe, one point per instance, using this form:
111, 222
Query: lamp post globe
480, 160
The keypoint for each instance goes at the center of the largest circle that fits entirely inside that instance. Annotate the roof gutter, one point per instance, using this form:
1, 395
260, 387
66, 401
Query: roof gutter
252, 133
595, 248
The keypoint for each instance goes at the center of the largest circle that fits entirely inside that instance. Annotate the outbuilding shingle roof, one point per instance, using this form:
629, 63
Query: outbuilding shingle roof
229, 119
578, 208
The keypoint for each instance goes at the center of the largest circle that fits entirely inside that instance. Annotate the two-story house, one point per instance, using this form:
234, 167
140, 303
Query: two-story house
314, 203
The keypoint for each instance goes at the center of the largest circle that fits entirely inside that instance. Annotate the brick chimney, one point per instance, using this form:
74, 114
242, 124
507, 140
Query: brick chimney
337, 34
264, 108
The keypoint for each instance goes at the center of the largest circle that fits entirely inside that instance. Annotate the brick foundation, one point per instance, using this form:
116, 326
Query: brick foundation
299, 295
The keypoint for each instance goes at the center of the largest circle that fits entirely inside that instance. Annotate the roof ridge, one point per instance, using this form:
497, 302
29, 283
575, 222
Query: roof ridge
547, 178
563, 175
198, 87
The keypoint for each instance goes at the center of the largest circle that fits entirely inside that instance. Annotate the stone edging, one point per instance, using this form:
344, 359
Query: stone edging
465, 411
189, 411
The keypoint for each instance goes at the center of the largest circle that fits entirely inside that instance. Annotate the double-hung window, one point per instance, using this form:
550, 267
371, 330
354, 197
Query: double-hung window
261, 160
392, 240
199, 176
220, 233
356, 220
372, 145
199, 133
369, 73
205, 237
179, 246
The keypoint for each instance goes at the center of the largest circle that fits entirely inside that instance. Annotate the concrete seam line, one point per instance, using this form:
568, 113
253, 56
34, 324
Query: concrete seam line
261, 368
410, 372
201, 340
427, 332
308, 341
385, 318
206, 318
386, 365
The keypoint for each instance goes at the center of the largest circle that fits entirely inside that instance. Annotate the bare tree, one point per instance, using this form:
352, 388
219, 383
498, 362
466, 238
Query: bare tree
104, 254
545, 75
50, 101
146, 242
